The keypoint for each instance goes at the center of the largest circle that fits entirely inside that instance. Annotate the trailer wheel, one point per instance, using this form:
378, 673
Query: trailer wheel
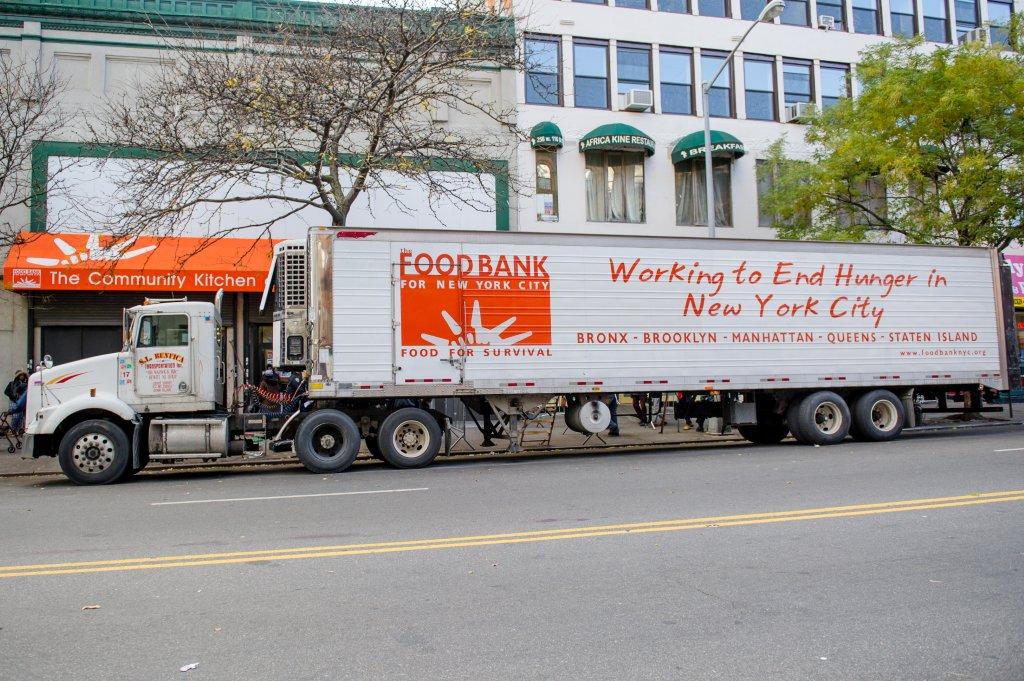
94, 452
793, 421
409, 438
327, 441
823, 418
878, 416
767, 433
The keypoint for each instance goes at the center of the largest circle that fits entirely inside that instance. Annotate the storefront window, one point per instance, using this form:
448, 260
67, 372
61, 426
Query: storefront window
547, 186
615, 186
691, 197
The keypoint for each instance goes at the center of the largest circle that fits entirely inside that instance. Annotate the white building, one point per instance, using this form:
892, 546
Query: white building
60, 296
605, 163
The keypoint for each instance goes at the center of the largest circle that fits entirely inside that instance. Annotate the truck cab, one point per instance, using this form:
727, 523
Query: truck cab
171, 363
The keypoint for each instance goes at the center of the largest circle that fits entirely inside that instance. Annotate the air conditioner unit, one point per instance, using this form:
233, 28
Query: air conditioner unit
975, 35
799, 112
639, 100
290, 335
826, 22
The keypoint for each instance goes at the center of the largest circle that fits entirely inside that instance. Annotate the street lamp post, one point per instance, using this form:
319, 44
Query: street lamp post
769, 13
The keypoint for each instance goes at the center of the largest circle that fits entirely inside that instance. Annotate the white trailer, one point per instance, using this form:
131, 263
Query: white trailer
821, 340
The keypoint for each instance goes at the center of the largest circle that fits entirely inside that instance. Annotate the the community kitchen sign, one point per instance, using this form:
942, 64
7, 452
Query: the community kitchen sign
55, 262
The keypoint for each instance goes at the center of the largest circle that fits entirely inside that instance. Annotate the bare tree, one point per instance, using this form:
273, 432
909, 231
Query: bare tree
325, 106
29, 111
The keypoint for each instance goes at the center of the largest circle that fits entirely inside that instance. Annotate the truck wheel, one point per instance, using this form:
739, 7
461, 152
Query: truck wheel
327, 441
409, 438
878, 416
767, 433
94, 452
823, 418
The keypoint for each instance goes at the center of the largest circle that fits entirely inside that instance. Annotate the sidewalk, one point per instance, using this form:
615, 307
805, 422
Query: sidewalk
562, 439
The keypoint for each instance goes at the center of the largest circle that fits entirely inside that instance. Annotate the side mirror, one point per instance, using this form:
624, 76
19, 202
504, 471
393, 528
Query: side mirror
47, 362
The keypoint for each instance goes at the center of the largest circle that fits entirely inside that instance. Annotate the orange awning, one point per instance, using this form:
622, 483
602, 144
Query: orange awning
85, 262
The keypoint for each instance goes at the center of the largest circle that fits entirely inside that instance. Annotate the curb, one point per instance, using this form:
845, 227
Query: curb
593, 449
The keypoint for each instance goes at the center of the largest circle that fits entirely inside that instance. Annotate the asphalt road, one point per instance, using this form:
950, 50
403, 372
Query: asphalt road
898, 561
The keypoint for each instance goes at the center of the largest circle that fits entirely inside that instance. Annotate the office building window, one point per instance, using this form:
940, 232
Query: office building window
834, 9
751, 9
796, 82
835, 84
634, 67
720, 95
759, 81
795, 13
632, 4
615, 186
936, 22
966, 16
675, 6
676, 68
590, 61
547, 186
866, 17
901, 13
999, 14
691, 199
713, 8
543, 70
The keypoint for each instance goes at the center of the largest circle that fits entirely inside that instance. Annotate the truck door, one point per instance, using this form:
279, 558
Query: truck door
431, 336
163, 356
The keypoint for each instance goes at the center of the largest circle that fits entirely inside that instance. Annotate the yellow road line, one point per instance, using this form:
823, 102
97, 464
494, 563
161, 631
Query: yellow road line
198, 560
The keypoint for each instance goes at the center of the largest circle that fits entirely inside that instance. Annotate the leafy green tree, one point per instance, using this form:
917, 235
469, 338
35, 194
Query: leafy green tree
930, 152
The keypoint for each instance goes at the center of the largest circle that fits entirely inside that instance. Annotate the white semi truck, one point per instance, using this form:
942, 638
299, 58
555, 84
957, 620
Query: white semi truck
817, 340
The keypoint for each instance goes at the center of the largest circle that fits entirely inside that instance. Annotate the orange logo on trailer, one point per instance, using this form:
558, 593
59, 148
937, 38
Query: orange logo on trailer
474, 300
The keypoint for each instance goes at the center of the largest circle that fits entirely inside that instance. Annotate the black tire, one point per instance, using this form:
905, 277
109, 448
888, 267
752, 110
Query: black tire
823, 418
793, 421
409, 438
767, 433
327, 441
373, 446
878, 416
94, 452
